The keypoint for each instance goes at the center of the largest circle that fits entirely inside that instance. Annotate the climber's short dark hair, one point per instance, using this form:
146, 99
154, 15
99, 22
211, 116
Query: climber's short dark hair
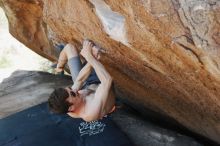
57, 101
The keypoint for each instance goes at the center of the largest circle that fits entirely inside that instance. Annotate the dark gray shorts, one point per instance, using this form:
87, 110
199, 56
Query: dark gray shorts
75, 65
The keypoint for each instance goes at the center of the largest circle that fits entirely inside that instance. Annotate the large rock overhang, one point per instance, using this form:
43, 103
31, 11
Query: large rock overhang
163, 55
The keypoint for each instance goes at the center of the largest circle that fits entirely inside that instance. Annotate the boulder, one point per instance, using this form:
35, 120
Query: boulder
163, 55
24, 89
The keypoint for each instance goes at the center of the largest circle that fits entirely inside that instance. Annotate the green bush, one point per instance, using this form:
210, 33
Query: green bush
45, 65
5, 62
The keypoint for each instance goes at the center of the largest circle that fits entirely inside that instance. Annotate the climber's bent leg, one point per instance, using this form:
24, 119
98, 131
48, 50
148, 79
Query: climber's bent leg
75, 66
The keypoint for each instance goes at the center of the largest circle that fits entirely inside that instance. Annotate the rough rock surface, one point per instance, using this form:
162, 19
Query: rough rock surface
24, 89
163, 54
145, 133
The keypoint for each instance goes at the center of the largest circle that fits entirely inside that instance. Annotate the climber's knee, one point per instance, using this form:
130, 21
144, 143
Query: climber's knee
70, 51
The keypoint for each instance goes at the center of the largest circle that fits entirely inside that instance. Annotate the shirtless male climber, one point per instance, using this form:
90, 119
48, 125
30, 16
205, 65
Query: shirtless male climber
91, 97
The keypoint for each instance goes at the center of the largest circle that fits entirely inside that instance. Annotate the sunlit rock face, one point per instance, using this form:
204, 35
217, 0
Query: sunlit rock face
163, 54
26, 24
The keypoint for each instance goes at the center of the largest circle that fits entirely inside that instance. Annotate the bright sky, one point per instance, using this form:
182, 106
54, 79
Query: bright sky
14, 55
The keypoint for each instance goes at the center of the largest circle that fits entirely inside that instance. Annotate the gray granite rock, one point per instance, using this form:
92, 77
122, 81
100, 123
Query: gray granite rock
25, 89
145, 133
